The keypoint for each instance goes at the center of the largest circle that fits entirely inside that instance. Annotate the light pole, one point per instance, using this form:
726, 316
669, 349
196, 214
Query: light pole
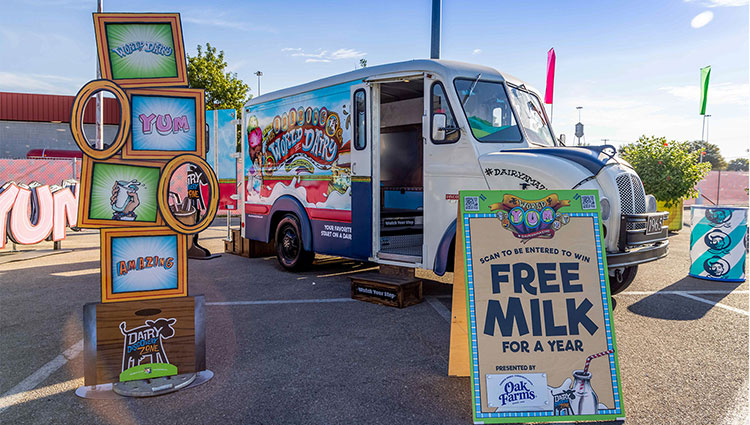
99, 142
259, 74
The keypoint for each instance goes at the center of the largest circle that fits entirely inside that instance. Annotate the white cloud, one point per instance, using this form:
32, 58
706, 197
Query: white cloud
718, 94
324, 55
476, 51
233, 25
702, 19
39, 83
720, 3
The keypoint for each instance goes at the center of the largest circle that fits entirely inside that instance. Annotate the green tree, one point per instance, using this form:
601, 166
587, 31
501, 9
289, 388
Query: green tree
224, 90
363, 63
668, 170
738, 164
713, 155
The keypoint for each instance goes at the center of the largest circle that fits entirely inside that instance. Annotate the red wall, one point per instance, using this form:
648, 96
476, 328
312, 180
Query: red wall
50, 107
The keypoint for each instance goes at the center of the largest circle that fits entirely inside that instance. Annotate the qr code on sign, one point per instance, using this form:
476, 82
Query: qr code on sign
471, 203
588, 202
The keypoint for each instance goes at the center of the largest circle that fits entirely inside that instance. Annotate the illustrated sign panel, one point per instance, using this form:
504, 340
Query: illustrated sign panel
148, 262
718, 243
165, 122
119, 192
137, 50
223, 142
541, 337
143, 339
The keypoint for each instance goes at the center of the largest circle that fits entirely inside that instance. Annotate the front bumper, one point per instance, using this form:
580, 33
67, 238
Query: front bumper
637, 247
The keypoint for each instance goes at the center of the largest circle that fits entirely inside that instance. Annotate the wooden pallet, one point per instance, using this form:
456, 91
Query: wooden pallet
387, 289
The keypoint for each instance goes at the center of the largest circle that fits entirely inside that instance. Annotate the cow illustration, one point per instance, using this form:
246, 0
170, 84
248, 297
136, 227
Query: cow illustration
146, 342
562, 402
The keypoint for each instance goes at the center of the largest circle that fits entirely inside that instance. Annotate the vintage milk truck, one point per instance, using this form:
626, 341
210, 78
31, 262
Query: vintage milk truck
368, 165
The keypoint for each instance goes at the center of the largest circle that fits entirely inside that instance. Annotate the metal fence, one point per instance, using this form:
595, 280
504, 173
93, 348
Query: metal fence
723, 188
47, 171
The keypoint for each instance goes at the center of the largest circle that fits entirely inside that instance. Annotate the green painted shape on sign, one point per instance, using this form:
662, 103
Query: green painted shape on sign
148, 371
104, 180
141, 50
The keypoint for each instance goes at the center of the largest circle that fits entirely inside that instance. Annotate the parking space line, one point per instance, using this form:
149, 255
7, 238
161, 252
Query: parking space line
263, 302
349, 272
692, 295
76, 272
713, 303
695, 292
42, 373
35, 394
439, 307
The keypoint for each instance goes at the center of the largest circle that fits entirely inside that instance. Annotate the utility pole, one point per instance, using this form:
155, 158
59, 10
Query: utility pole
259, 74
437, 6
99, 143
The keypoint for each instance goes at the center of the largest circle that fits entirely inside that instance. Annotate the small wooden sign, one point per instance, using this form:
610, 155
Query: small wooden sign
120, 337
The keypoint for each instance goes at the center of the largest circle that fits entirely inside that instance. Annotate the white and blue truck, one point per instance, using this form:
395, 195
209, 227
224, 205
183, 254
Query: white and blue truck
368, 165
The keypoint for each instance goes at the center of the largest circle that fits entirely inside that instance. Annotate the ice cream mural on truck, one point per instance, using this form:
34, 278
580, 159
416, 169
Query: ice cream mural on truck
368, 165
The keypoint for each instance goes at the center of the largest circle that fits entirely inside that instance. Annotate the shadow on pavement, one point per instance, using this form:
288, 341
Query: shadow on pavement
659, 306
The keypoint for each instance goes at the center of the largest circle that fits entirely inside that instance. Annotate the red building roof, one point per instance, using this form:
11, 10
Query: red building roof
51, 107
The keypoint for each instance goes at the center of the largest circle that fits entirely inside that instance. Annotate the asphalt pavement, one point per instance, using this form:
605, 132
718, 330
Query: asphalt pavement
301, 352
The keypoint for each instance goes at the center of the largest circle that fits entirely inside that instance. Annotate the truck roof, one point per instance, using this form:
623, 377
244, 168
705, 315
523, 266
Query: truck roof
446, 68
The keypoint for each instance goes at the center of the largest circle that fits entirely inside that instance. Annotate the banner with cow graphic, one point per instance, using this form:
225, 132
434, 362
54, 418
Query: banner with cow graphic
718, 243
541, 335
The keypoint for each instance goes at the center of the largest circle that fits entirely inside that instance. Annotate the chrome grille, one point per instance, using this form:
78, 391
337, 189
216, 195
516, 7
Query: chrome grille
632, 197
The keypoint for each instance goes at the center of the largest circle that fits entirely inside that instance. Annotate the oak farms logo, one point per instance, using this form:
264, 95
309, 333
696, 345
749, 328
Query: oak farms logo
531, 219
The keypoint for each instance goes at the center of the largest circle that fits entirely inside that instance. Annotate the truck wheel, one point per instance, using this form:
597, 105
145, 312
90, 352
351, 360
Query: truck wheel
621, 280
289, 247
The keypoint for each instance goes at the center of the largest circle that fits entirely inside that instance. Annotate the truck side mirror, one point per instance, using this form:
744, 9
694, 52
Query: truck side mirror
561, 139
438, 127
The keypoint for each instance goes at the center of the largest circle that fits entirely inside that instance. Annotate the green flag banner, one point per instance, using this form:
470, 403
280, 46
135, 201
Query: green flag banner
705, 74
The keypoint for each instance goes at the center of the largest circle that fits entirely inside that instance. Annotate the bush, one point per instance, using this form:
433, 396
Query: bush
669, 170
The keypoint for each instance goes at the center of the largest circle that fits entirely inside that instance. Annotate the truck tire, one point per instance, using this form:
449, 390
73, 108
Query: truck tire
620, 281
289, 247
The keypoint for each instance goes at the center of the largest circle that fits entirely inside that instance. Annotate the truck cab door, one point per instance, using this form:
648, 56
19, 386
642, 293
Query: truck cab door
361, 171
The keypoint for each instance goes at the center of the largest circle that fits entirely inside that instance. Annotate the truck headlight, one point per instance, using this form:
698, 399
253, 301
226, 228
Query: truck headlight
604, 202
650, 203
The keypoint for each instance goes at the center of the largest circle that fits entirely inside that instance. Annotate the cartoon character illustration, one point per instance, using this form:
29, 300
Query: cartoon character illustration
716, 240
718, 216
146, 342
716, 266
124, 199
563, 399
340, 179
254, 148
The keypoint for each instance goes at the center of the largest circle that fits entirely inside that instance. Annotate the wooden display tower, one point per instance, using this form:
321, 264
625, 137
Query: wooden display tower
148, 192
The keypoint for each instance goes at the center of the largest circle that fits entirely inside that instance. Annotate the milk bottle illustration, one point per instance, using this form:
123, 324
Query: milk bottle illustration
123, 199
586, 402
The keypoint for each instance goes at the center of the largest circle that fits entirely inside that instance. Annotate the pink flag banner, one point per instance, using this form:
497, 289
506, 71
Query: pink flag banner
550, 76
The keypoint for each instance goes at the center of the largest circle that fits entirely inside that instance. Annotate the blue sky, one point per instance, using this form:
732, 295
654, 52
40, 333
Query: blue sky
633, 66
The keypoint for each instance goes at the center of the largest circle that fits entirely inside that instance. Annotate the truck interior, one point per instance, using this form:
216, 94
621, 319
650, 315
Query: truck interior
401, 159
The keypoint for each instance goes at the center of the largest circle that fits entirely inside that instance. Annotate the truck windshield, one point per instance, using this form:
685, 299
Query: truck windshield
531, 115
488, 111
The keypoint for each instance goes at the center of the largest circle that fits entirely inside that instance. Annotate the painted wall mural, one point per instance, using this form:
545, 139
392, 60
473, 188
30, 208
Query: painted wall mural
300, 146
